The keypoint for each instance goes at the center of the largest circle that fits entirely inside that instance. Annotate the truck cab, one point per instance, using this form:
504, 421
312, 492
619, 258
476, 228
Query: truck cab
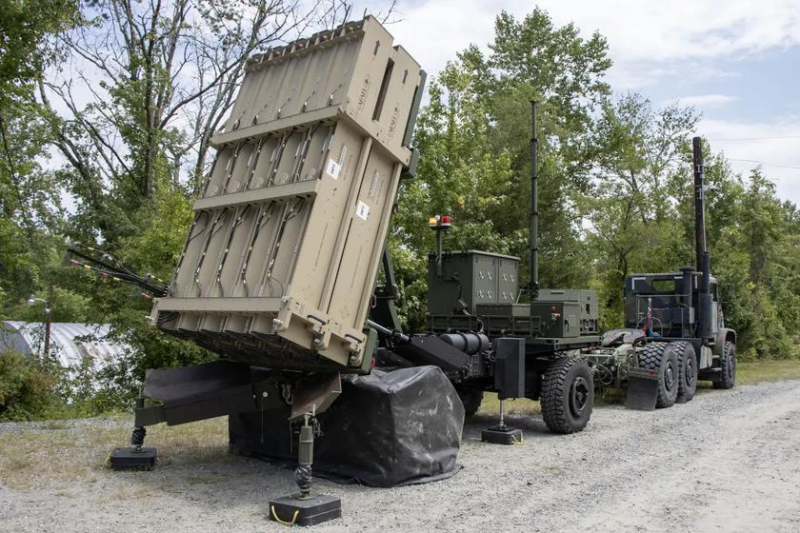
670, 301
667, 306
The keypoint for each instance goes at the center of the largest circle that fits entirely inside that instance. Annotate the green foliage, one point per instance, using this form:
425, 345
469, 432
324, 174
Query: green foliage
27, 388
158, 240
639, 184
473, 137
756, 261
615, 188
32, 221
641, 215
25, 51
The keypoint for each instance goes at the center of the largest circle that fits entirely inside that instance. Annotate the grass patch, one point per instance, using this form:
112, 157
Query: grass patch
753, 373
521, 406
77, 450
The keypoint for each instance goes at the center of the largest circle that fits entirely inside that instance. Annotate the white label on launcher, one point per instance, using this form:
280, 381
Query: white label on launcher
333, 169
362, 210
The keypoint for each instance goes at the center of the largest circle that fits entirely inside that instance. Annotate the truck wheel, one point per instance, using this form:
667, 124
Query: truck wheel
655, 356
727, 377
567, 395
687, 368
471, 397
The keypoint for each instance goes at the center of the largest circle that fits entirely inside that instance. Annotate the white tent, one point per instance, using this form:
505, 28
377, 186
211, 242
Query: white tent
66, 341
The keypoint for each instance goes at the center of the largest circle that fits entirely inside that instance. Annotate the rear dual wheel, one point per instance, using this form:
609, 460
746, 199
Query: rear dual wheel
687, 368
655, 356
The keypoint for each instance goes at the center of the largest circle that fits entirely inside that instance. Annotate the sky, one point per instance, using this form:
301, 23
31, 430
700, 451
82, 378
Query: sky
736, 61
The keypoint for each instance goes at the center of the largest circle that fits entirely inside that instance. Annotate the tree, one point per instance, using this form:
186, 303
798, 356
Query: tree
145, 87
29, 195
473, 137
641, 176
762, 305
25, 48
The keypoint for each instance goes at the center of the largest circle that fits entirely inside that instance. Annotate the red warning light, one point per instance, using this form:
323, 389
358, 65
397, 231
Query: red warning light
440, 222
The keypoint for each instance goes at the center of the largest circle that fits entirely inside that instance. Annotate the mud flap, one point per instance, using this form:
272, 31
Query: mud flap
642, 390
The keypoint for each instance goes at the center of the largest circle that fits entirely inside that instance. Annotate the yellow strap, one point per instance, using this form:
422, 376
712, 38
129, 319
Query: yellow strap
284, 522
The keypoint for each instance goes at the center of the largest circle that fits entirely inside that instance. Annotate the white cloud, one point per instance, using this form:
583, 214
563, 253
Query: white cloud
632, 75
774, 146
651, 43
645, 38
707, 101
685, 29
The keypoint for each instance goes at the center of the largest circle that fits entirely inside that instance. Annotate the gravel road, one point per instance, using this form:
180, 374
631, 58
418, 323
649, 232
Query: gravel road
727, 461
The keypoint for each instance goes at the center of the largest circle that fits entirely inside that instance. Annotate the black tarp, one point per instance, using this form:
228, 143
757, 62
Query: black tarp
388, 428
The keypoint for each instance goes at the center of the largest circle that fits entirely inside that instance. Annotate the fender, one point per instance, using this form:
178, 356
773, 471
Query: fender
723, 335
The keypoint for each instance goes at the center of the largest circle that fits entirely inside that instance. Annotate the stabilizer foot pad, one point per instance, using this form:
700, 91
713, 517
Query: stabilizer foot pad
291, 510
132, 459
498, 435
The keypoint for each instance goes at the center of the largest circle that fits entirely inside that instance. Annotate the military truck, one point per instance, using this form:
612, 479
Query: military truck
485, 341
278, 277
278, 271
674, 330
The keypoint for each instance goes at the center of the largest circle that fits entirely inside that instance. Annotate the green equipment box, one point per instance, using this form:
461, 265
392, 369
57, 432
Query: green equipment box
469, 279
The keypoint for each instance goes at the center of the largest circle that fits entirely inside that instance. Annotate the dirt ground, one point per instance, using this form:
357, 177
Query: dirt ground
727, 461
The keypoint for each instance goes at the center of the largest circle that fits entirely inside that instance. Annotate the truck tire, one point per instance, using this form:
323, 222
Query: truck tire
727, 376
655, 356
687, 368
471, 397
567, 395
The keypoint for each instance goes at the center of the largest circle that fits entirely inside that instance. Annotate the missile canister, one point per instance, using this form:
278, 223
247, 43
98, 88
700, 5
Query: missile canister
280, 261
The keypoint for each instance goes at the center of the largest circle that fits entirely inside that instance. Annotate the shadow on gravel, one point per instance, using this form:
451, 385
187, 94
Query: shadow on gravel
219, 481
216, 485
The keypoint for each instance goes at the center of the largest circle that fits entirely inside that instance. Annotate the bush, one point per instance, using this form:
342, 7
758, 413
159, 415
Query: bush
28, 388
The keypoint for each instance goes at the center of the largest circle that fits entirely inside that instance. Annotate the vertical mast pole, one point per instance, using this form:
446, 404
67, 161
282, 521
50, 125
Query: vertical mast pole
534, 235
699, 204
705, 328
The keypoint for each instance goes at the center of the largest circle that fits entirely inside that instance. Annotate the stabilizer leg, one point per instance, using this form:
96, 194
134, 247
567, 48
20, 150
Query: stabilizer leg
305, 509
501, 433
135, 457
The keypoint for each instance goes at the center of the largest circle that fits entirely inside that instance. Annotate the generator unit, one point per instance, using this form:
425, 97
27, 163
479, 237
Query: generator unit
470, 279
481, 288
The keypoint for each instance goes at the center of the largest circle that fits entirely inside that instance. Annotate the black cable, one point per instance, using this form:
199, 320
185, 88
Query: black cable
109, 266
